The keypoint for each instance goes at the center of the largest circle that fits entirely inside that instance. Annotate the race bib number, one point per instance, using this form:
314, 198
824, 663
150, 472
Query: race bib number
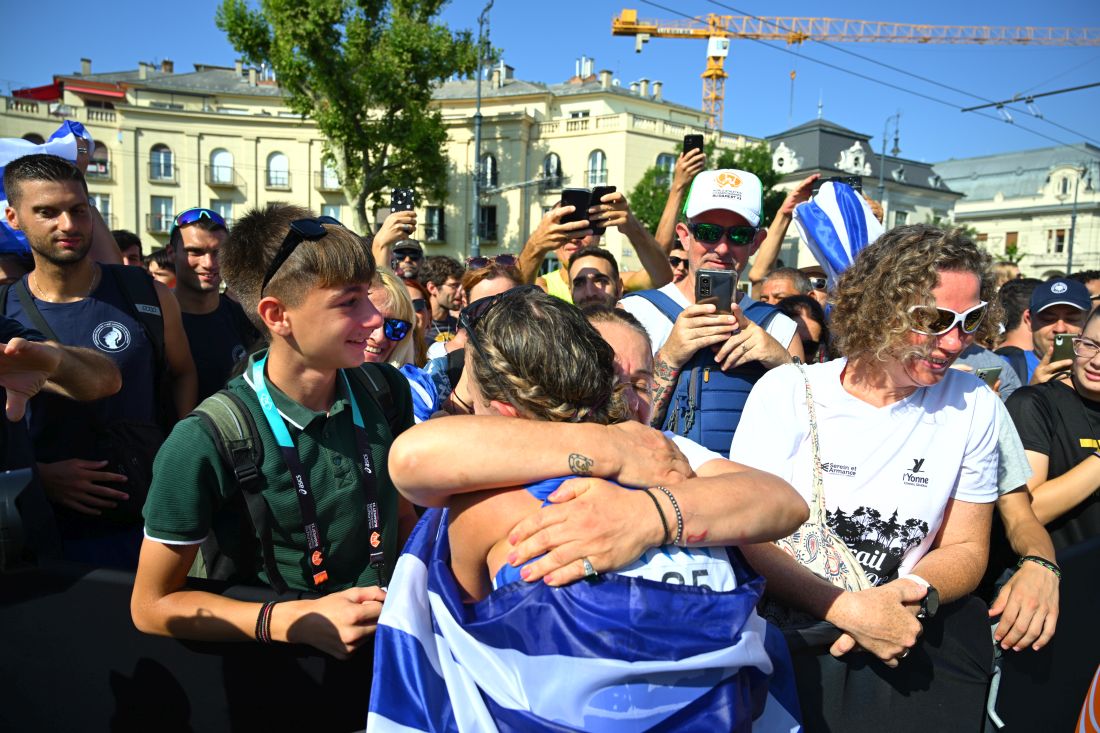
703, 567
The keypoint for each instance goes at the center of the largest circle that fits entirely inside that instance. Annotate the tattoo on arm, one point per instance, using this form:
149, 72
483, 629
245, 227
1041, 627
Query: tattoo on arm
580, 465
665, 376
694, 538
663, 370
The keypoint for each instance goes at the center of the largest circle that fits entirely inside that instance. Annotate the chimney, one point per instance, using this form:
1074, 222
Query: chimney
85, 67
589, 64
239, 66
509, 71
643, 87
167, 67
497, 74
143, 70
605, 79
251, 76
657, 91
633, 87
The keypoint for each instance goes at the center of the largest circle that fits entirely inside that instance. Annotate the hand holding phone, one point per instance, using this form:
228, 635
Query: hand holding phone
693, 142
989, 375
579, 199
1063, 347
716, 287
402, 199
597, 198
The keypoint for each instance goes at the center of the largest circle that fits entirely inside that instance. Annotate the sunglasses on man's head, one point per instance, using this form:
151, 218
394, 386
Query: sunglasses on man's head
712, 233
936, 321
676, 261
300, 231
395, 328
478, 263
190, 216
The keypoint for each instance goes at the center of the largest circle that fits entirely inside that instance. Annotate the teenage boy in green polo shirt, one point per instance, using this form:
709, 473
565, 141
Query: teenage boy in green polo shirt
336, 521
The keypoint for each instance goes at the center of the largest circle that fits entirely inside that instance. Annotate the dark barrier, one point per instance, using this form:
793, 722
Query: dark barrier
1044, 690
71, 659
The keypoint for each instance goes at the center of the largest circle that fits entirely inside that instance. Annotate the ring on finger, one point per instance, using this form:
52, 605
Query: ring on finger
589, 571
904, 654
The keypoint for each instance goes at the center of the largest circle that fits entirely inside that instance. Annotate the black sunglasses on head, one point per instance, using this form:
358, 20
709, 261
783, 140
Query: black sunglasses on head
300, 231
474, 312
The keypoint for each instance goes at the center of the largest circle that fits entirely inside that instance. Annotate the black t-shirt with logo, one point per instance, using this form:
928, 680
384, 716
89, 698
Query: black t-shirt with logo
218, 341
1054, 420
442, 330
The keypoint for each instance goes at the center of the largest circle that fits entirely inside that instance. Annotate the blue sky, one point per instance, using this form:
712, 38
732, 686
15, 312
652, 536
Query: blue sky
543, 39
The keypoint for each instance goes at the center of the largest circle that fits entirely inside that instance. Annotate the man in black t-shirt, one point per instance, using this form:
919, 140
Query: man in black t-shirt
217, 329
442, 277
1059, 424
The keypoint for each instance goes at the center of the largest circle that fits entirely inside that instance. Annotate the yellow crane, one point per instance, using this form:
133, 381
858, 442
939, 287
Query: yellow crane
719, 29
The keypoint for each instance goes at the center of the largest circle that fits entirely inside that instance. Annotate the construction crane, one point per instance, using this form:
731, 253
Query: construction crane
719, 29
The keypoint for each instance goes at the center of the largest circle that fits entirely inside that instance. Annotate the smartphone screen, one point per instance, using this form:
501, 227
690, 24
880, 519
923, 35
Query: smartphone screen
598, 193
716, 287
401, 200
693, 142
577, 198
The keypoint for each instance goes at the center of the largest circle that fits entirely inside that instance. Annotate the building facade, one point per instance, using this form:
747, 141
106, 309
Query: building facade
223, 137
911, 191
1033, 205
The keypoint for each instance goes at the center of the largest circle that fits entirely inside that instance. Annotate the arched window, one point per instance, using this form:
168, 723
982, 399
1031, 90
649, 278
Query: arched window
34, 137
221, 166
278, 171
666, 162
597, 168
489, 175
161, 163
100, 164
551, 172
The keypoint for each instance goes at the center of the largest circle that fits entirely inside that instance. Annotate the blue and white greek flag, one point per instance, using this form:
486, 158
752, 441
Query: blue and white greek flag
836, 224
62, 144
615, 654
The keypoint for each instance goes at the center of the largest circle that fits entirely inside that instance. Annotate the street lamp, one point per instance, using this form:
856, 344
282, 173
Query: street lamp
882, 159
475, 218
1073, 219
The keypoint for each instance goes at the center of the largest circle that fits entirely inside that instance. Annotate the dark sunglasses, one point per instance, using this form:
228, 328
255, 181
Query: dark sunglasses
677, 261
395, 329
817, 283
474, 312
478, 263
936, 321
420, 305
193, 215
300, 231
712, 233
411, 254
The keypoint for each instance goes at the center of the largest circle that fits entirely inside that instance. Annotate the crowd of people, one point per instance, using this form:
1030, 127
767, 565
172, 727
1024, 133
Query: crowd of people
536, 461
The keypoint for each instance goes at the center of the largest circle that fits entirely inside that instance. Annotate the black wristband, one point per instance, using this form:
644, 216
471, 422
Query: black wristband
660, 513
1041, 561
263, 623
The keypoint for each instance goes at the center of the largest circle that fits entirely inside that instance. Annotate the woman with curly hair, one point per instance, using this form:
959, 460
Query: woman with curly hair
907, 461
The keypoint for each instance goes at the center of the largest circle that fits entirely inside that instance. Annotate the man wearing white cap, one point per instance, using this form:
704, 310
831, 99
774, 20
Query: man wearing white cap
695, 349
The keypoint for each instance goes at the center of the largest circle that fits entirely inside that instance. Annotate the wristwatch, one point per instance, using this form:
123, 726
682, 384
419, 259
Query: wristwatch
929, 605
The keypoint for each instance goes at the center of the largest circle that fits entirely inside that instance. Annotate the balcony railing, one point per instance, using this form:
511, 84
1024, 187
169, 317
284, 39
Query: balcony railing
550, 183
95, 114
223, 176
327, 182
277, 180
595, 178
163, 172
158, 223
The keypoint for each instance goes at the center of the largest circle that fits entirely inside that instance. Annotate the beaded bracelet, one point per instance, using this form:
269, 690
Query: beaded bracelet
263, 623
679, 515
660, 513
1041, 561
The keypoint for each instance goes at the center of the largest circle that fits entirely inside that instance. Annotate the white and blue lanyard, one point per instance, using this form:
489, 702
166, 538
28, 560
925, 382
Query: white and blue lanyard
315, 555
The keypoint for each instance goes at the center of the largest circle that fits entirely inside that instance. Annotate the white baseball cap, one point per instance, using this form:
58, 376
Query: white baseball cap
729, 190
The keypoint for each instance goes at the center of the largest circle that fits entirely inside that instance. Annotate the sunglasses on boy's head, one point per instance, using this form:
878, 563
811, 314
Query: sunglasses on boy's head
193, 215
300, 231
712, 233
676, 261
395, 329
477, 263
936, 321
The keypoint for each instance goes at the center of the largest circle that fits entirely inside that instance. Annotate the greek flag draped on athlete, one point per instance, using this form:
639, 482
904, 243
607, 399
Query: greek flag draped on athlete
615, 654
62, 144
836, 224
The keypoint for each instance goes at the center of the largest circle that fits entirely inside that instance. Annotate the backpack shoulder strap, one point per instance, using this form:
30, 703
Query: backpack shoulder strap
376, 379
141, 295
27, 301
761, 314
4, 298
231, 425
669, 308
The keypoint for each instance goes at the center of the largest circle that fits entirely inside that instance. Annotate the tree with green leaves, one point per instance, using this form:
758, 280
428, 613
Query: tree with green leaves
364, 72
647, 199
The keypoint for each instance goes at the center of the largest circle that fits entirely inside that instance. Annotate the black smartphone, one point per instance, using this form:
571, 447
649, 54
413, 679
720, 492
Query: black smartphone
692, 142
717, 287
989, 375
856, 182
1063, 347
402, 200
598, 193
578, 198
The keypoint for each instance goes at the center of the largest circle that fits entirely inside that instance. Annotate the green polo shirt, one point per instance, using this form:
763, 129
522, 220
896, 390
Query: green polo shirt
192, 492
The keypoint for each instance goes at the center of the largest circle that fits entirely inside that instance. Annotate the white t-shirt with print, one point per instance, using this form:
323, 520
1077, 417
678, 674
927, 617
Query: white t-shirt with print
781, 328
888, 472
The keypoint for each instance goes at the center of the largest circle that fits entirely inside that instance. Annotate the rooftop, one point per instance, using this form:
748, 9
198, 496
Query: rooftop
1018, 174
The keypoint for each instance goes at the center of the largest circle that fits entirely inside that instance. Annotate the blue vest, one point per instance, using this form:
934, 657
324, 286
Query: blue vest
105, 322
707, 403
